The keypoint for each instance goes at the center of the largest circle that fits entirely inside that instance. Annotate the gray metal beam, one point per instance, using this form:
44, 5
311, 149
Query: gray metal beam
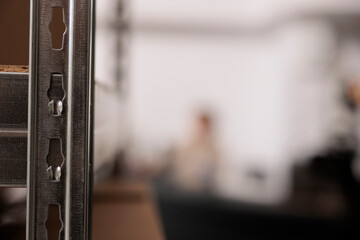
13, 129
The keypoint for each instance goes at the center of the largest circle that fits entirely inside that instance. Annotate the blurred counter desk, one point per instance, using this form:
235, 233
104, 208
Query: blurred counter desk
121, 210
124, 209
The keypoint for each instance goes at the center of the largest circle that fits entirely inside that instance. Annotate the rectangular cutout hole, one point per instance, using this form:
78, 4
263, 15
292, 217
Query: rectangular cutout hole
57, 28
53, 222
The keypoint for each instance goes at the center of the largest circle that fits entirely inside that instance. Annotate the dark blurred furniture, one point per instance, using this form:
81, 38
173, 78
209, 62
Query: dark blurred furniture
189, 216
324, 205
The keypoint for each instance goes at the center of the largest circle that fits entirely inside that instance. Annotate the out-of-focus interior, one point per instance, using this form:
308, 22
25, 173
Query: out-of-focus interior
227, 119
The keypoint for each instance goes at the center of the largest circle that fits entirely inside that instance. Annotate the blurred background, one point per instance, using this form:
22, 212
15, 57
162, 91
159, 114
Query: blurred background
223, 119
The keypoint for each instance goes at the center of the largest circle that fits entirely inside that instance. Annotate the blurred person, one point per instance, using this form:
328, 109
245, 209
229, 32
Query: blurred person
194, 162
352, 180
353, 102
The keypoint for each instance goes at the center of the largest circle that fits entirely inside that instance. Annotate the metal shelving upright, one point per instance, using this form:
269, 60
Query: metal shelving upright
51, 109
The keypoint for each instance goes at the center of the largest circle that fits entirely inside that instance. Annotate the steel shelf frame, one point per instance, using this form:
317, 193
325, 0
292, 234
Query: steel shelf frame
70, 67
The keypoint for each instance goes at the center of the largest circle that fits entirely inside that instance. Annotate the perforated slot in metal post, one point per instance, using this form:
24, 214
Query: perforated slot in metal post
54, 159
57, 28
56, 94
53, 222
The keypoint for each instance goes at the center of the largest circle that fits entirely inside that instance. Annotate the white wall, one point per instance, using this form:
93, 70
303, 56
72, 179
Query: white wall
267, 92
231, 12
270, 93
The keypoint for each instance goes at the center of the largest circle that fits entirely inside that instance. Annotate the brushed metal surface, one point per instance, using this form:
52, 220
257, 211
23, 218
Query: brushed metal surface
73, 126
13, 100
43, 62
13, 129
24, 103
13, 161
